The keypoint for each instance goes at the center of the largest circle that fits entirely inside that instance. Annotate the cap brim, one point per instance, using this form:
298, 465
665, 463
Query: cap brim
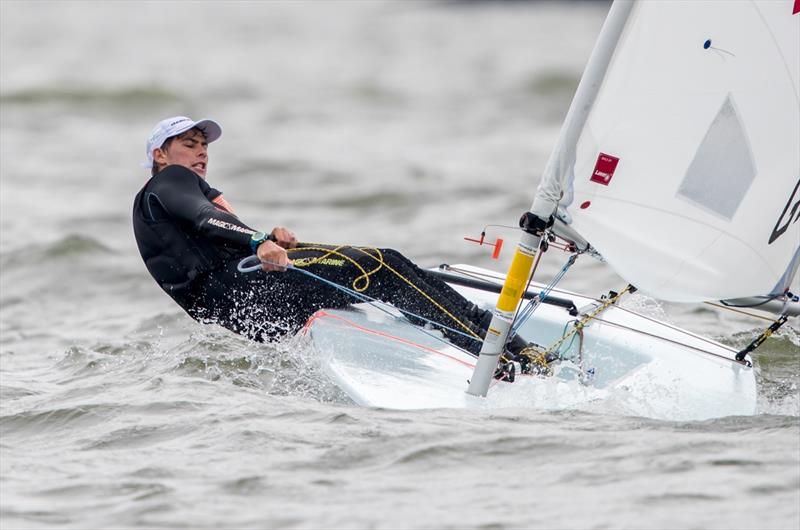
210, 128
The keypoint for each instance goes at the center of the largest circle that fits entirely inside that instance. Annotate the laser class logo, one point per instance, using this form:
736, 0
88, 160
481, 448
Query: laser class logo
784, 221
604, 169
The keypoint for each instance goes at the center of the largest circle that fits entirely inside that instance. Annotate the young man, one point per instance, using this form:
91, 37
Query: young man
192, 241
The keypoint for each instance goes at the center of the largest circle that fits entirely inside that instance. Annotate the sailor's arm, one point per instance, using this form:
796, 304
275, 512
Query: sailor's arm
177, 191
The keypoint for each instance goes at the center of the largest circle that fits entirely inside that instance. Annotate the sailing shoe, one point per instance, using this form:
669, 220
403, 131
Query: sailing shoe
505, 372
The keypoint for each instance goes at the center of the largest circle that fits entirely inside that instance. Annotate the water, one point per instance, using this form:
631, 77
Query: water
408, 125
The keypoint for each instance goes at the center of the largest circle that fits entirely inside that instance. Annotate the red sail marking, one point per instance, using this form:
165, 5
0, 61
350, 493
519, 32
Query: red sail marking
604, 169
796, 7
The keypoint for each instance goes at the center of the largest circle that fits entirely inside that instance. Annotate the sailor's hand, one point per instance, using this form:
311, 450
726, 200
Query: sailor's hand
273, 257
284, 237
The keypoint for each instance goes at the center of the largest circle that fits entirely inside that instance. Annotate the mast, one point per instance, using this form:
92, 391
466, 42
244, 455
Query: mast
562, 159
548, 195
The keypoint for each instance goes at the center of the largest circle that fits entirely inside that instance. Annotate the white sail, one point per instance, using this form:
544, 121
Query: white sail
679, 160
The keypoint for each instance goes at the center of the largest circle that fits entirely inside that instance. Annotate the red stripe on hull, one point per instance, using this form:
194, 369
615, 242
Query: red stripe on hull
324, 314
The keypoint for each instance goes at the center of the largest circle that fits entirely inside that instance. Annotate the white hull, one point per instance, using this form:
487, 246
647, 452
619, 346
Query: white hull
383, 361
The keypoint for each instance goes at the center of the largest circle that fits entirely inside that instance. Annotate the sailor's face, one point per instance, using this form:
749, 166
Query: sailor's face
189, 149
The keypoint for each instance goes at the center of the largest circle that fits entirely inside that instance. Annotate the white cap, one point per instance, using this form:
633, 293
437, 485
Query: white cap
176, 125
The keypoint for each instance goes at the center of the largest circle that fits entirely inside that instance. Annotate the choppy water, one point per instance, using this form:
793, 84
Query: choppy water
407, 125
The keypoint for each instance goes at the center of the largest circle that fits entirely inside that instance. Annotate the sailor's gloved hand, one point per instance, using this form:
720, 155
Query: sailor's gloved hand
284, 237
272, 256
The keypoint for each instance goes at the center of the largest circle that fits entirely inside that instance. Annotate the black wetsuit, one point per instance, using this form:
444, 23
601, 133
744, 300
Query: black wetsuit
191, 242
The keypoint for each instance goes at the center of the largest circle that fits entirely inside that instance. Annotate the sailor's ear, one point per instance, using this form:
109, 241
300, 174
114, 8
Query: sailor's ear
160, 156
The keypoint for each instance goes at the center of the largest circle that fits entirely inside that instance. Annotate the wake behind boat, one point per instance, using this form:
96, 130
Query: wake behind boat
678, 165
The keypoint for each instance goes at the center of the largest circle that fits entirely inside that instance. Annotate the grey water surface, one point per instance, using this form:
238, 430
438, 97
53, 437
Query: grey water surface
396, 124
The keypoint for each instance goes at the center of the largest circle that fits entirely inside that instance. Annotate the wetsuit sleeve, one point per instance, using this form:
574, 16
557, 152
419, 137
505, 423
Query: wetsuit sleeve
176, 190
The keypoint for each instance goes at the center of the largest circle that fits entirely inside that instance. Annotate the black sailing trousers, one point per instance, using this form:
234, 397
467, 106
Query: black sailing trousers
265, 306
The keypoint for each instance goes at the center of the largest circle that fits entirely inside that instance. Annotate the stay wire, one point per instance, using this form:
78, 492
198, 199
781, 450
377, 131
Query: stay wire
526, 313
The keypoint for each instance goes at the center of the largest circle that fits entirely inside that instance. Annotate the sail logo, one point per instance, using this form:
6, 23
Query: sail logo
781, 226
796, 8
604, 169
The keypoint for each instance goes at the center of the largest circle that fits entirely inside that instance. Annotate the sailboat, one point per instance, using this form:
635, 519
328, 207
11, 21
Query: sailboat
678, 164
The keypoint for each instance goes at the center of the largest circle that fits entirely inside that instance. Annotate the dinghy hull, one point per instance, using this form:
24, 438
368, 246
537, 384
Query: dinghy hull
630, 364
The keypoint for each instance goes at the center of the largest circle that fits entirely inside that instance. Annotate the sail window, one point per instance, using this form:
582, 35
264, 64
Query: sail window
723, 167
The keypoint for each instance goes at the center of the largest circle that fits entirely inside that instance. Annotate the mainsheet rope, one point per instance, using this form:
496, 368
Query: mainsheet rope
364, 278
245, 267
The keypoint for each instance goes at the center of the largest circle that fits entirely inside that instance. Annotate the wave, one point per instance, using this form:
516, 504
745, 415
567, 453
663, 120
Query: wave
285, 368
784, 344
778, 362
553, 83
546, 94
85, 95
68, 246
76, 244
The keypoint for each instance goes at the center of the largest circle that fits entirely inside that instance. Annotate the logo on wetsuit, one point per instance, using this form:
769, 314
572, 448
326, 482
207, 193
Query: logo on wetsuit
302, 262
230, 226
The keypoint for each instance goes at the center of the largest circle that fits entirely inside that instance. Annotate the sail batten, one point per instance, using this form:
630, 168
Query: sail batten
679, 159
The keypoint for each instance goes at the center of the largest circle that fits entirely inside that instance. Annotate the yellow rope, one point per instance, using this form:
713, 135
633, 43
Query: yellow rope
538, 356
361, 282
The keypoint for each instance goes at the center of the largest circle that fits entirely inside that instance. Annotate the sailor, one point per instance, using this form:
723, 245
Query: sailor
191, 241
